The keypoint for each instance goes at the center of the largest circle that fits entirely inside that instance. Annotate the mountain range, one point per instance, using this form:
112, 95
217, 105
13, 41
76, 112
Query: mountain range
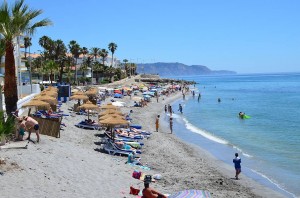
178, 69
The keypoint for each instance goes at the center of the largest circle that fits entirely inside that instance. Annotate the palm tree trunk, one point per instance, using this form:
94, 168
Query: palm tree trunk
61, 71
112, 59
10, 83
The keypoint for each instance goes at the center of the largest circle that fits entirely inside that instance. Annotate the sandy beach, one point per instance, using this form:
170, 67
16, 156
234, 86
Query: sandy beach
74, 165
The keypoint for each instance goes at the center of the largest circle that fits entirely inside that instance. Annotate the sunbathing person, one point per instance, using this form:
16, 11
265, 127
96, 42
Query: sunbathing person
150, 192
124, 133
122, 145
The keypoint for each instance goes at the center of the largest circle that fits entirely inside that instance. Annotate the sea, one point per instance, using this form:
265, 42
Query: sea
268, 142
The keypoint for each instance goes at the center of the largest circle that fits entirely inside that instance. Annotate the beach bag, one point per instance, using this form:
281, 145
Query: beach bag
134, 191
136, 174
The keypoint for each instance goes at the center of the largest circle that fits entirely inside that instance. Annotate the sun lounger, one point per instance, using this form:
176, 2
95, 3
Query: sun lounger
85, 125
128, 139
112, 149
136, 126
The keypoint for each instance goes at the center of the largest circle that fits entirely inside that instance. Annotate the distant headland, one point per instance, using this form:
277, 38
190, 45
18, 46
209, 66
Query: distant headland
178, 69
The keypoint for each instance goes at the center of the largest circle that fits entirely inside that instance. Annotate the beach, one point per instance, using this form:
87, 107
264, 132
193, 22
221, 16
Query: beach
74, 165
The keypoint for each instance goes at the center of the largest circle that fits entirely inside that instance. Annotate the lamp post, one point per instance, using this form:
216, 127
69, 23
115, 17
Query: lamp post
30, 75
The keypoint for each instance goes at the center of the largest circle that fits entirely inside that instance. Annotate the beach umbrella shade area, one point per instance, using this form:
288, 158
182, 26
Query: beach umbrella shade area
110, 111
191, 194
79, 97
89, 106
104, 117
108, 106
136, 98
92, 92
37, 103
48, 99
113, 121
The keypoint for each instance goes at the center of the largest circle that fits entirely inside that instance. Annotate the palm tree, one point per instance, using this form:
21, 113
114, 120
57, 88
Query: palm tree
85, 65
98, 67
94, 51
51, 67
84, 51
112, 47
103, 54
27, 43
15, 21
68, 69
75, 50
59, 56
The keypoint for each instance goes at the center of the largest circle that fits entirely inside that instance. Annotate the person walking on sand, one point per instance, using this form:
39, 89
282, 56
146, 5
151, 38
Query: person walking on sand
166, 109
157, 123
32, 126
237, 165
171, 124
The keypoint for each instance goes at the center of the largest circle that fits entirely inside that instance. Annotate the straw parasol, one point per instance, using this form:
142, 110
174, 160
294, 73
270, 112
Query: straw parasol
113, 121
48, 99
79, 93
111, 111
36, 103
88, 106
50, 93
111, 115
79, 97
92, 92
108, 106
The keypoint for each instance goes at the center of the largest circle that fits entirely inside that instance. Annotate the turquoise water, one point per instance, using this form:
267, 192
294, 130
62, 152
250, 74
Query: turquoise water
269, 142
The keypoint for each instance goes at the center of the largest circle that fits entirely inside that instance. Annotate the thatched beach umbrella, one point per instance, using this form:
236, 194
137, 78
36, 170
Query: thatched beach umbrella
79, 97
111, 111
48, 99
108, 106
89, 106
36, 103
111, 115
50, 93
113, 121
92, 92
79, 93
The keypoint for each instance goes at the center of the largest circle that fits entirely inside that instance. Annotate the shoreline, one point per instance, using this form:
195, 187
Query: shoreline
218, 170
74, 165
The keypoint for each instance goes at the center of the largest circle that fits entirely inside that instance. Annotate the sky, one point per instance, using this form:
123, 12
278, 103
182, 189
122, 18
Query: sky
246, 36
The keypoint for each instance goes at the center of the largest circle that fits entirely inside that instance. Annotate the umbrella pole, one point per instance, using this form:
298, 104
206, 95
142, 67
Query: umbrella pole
88, 115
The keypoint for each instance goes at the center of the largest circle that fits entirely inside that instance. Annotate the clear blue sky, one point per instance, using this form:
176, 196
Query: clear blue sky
246, 36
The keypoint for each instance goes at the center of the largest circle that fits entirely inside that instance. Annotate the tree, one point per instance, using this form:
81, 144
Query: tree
94, 51
103, 54
112, 47
14, 21
98, 67
84, 51
27, 43
50, 68
75, 50
85, 65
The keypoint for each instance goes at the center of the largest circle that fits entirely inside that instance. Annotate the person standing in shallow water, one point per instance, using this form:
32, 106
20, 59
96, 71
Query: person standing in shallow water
237, 165
157, 123
171, 124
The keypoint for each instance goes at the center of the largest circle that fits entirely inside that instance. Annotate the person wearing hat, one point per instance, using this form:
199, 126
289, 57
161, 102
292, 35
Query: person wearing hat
150, 192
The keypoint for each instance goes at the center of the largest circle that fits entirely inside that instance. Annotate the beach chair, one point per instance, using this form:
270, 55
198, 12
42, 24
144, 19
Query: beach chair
85, 125
112, 149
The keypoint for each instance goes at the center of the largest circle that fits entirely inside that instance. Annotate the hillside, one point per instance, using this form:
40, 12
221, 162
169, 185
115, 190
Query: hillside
176, 69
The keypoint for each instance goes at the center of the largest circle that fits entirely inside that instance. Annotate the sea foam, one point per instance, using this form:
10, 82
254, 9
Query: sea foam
204, 133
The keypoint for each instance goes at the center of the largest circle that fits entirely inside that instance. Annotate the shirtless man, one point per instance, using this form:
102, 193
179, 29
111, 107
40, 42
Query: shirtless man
150, 192
32, 126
